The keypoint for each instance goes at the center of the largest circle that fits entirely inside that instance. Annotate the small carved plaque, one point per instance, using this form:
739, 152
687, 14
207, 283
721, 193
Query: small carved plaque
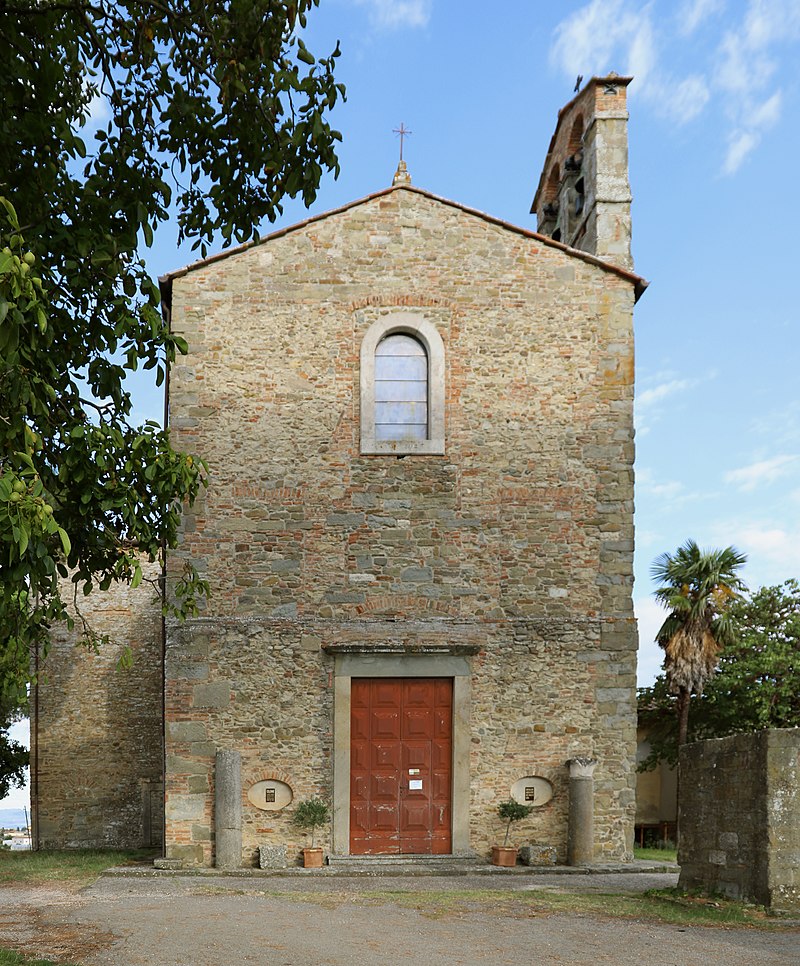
270, 795
532, 789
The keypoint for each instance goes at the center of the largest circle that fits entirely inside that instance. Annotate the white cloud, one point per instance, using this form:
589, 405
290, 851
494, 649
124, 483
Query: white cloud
773, 549
647, 402
693, 13
592, 39
670, 490
781, 426
749, 477
768, 113
740, 144
684, 100
650, 397
747, 60
398, 14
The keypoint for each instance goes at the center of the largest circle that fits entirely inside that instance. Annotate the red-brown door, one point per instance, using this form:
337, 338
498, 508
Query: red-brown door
400, 765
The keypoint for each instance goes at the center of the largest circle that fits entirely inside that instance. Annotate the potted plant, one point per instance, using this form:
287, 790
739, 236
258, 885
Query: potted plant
510, 811
309, 814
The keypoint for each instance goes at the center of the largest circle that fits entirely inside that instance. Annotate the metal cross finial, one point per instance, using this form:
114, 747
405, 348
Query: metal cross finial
401, 132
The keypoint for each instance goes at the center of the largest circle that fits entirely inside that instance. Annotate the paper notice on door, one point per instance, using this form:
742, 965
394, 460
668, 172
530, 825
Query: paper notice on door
415, 784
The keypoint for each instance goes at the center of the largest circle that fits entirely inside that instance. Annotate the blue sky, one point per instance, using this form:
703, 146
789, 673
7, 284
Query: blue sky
714, 140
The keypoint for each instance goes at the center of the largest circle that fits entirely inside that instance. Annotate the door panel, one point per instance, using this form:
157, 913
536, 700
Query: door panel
401, 765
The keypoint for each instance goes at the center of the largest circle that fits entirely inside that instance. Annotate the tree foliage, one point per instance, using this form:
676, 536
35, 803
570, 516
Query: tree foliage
755, 685
698, 587
208, 111
13, 755
512, 811
311, 814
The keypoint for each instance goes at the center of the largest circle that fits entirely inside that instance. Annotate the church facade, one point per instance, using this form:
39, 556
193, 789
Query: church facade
417, 531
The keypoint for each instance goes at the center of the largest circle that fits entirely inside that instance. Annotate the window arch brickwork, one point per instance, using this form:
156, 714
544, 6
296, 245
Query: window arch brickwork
412, 324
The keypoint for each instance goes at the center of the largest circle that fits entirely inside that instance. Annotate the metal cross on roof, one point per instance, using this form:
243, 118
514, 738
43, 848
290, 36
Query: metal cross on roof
401, 132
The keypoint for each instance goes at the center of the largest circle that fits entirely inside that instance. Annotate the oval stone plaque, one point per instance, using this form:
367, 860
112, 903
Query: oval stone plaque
270, 795
532, 790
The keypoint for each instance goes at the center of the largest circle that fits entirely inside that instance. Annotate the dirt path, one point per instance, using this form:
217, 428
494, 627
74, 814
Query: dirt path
138, 921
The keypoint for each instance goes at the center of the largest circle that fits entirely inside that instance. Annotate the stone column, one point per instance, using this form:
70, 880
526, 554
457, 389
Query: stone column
580, 836
228, 809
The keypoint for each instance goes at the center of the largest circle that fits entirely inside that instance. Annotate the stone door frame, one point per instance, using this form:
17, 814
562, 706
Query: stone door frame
376, 662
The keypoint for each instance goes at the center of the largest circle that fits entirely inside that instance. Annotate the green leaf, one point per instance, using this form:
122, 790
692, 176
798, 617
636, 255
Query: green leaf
65, 541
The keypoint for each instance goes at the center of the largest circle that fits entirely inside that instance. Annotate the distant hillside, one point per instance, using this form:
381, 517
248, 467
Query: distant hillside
12, 818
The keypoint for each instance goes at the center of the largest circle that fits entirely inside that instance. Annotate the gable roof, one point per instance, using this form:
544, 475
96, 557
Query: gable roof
639, 283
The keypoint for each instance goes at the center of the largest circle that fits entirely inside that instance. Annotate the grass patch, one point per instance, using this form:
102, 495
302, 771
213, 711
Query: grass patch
655, 855
9, 958
77, 865
664, 906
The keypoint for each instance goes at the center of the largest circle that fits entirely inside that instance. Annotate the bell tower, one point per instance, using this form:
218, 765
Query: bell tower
584, 197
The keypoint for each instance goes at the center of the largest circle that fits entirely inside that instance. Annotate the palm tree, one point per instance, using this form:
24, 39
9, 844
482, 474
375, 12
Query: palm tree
698, 587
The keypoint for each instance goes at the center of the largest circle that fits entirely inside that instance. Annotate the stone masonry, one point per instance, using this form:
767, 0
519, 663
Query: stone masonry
740, 817
99, 776
519, 539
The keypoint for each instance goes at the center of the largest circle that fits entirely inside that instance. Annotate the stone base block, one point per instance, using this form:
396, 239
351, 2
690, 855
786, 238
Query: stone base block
168, 863
272, 857
538, 855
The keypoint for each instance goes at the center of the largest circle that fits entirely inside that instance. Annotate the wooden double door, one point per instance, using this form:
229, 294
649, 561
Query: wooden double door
401, 765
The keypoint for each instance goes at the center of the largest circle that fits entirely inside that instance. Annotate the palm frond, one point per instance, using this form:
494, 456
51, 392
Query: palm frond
698, 588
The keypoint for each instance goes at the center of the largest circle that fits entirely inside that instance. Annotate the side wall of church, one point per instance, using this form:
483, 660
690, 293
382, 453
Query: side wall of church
100, 728
518, 540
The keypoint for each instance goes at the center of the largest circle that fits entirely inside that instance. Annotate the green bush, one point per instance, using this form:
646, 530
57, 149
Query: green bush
511, 811
310, 814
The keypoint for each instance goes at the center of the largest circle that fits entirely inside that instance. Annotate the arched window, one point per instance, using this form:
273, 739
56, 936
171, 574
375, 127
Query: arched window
402, 386
401, 389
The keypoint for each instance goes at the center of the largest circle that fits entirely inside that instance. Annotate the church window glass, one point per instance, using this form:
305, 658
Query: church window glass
401, 389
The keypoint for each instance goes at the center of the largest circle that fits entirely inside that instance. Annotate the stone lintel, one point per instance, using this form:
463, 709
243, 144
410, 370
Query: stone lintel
392, 647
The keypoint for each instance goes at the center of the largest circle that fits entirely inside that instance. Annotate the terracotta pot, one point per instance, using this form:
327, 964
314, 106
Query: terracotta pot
505, 855
312, 858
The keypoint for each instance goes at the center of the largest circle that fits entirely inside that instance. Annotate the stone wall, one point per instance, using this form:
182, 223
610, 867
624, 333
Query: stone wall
740, 817
99, 780
519, 537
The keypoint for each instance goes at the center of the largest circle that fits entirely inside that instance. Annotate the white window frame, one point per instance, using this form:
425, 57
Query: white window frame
415, 325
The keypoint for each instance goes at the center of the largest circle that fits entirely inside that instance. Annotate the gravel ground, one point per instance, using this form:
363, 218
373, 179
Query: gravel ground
216, 921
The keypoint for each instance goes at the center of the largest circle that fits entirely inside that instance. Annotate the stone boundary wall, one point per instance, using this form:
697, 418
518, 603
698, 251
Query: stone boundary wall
740, 817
